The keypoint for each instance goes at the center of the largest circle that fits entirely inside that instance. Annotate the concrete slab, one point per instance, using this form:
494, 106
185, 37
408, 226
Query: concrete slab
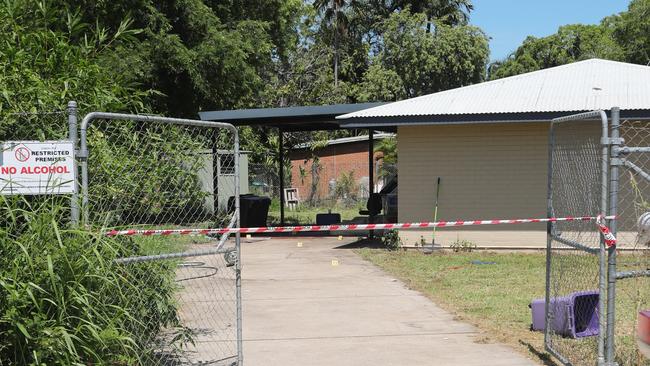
300, 309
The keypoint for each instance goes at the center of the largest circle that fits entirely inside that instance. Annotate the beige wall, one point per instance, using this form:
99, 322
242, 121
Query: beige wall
488, 171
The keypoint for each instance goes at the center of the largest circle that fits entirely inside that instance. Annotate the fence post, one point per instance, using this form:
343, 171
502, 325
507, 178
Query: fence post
240, 342
549, 239
72, 136
610, 353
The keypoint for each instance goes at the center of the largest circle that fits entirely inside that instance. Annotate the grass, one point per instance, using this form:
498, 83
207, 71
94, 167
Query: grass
495, 297
63, 299
306, 214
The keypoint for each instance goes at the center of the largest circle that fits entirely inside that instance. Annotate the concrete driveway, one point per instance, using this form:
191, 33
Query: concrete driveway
300, 308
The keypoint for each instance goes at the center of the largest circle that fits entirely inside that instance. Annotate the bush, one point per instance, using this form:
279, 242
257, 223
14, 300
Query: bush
346, 188
462, 246
391, 240
63, 299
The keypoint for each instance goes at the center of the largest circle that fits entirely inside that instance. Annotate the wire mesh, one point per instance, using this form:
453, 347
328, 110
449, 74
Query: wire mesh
576, 188
633, 235
159, 174
321, 186
34, 125
170, 176
185, 310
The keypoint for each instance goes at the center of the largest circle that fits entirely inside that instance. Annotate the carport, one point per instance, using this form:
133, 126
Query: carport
297, 119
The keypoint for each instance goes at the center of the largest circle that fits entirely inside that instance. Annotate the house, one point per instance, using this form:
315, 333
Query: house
489, 145
317, 171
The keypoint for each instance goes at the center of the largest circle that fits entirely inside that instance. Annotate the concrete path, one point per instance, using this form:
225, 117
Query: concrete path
299, 309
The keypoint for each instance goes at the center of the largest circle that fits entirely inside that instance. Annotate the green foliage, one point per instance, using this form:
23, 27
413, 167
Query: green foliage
382, 84
316, 168
571, 43
145, 174
50, 55
461, 245
346, 188
632, 31
425, 62
620, 37
388, 148
391, 240
63, 299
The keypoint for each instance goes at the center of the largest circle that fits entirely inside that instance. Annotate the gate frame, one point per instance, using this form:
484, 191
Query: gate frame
605, 142
82, 156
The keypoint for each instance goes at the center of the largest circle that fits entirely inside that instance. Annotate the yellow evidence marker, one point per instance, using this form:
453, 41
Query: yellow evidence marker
340, 237
335, 262
248, 236
299, 245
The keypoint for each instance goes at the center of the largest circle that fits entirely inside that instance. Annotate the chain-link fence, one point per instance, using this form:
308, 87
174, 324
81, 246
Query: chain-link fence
144, 172
314, 186
573, 262
633, 234
598, 296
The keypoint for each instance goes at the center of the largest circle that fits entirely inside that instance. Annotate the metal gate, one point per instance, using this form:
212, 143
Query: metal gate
181, 293
594, 170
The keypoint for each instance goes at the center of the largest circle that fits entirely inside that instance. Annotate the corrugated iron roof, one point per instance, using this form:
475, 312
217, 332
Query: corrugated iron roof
579, 86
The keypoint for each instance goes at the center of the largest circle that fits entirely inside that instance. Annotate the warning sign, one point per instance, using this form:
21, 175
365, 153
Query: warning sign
35, 167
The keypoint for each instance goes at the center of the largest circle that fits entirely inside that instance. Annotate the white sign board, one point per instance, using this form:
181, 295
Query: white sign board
35, 167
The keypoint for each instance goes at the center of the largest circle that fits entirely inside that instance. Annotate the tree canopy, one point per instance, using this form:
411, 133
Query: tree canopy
178, 57
620, 37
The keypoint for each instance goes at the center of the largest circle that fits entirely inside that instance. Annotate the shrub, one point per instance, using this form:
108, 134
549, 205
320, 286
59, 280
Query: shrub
391, 240
462, 246
346, 188
63, 299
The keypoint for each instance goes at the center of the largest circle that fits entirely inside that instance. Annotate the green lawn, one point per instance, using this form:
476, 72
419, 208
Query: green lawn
495, 297
306, 214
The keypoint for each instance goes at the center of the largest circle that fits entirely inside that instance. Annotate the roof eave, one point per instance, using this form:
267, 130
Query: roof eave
457, 119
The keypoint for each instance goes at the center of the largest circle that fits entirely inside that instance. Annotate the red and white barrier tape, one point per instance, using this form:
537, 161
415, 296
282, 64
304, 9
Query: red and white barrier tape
350, 227
610, 239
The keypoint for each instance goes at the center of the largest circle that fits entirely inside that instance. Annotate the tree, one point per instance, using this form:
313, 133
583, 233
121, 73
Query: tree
571, 43
334, 16
632, 30
420, 62
449, 12
388, 148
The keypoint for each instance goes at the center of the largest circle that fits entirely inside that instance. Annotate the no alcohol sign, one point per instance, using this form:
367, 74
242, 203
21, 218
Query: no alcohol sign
35, 167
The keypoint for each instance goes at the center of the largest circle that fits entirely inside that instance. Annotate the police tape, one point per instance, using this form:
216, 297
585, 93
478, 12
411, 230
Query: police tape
352, 227
610, 239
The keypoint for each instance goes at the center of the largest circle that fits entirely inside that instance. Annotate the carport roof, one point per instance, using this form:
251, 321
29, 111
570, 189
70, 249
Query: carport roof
535, 96
303, 118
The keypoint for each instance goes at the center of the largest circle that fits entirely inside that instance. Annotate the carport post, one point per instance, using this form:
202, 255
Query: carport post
371, 171
371, 162
281, 173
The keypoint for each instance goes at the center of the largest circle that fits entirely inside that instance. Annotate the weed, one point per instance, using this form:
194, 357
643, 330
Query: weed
64, 300
461, 245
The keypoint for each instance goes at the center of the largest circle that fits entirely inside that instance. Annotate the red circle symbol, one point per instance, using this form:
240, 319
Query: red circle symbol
22, 154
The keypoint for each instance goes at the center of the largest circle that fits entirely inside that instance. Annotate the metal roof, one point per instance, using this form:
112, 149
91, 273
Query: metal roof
347, 140
579, 86
304, 118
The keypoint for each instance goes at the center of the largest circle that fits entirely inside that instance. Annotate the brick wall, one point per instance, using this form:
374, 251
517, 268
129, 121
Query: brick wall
334, 160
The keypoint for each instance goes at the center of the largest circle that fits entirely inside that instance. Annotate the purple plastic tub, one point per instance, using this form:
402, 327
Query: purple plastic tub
574, 316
